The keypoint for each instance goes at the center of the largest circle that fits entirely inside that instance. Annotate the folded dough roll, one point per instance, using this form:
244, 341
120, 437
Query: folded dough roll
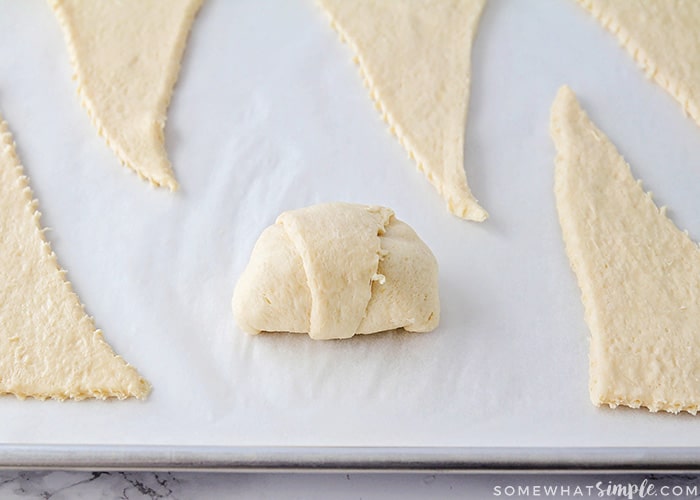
336, 269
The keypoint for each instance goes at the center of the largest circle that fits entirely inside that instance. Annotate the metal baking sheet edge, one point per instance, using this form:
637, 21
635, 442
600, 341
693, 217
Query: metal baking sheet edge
347, 459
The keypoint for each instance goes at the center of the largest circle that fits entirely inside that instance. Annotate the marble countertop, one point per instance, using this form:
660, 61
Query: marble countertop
58, 485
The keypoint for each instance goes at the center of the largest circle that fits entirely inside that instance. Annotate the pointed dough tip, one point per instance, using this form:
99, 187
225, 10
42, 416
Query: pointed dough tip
461, 203
472, 212
564, 100
168, 182
565, 93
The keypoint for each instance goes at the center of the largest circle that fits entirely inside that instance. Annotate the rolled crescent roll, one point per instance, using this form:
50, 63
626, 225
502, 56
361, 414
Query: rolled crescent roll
336, 269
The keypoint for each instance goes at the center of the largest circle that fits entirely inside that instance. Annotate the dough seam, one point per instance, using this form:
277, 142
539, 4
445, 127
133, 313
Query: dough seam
316, 311
678, 90
395, 128
376, 275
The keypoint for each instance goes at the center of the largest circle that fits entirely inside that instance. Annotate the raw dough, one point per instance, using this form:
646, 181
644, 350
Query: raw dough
663, 36
337, 269
49, 348
639, 275
415, 57
126, 56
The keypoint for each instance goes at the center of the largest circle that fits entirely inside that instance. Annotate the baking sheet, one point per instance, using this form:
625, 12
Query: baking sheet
270, 114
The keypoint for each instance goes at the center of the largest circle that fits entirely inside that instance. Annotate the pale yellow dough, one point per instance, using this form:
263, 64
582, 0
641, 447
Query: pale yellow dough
415, 57
639, 275
126, 56
663, 36
49, 347
336, 269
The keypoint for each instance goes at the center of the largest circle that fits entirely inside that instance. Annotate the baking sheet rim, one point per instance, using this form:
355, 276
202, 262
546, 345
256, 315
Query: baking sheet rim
348, 459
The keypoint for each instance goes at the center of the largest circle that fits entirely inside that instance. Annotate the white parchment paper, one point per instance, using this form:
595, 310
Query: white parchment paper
270, 114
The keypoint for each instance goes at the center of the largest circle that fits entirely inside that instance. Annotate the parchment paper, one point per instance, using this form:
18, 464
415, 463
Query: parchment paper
270, 114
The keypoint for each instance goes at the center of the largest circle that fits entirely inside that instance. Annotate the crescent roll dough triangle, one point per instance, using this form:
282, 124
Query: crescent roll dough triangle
126, 56
49, 348
663, 36
415, 57
639, 275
